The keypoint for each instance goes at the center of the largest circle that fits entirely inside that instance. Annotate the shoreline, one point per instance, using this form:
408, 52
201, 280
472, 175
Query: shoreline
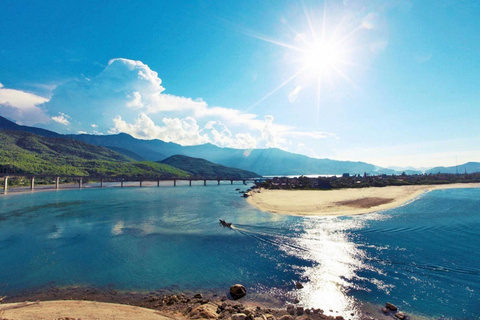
342, 202
106, 303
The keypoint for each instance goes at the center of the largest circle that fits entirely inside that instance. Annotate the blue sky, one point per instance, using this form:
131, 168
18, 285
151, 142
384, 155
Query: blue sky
390, 82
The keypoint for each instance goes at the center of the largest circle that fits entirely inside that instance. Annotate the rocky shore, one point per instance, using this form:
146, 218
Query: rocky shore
197, 305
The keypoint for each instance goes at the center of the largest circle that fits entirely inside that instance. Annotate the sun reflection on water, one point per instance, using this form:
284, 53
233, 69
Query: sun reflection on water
336, 260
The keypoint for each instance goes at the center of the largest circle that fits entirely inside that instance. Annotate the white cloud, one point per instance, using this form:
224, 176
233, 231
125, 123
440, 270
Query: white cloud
127, 96
62, 118
186, 131
136, 102
183, 131
270, 135
311, 134
22, 106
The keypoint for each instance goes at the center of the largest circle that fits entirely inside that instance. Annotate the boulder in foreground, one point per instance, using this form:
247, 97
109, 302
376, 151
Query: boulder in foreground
238, 291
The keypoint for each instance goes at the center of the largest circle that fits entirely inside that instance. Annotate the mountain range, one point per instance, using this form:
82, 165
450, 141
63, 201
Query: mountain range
469, 167
267, 162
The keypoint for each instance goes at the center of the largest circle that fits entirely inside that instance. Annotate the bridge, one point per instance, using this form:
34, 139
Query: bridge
119, 179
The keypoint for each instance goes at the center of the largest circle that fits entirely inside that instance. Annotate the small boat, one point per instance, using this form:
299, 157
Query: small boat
225, 224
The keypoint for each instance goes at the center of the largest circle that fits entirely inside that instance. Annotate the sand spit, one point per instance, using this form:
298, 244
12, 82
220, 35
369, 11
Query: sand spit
341, 202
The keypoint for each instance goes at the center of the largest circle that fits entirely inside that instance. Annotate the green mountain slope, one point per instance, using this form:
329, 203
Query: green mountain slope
264, 161
203, 168
27, 153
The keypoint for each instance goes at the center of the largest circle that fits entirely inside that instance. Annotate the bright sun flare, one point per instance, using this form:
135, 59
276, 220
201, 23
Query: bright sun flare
321, 57
322, 54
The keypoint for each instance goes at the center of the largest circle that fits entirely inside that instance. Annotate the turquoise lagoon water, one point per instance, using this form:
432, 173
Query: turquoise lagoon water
423, 256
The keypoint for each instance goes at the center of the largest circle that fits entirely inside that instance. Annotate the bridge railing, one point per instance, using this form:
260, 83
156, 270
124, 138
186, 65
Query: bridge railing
121, 179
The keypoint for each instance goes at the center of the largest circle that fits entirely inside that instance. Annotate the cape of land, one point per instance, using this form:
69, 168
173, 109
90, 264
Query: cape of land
341, 202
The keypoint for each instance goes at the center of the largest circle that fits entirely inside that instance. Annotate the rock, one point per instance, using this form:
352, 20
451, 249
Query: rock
204, 311
300, 311
400, 315
391, 306
240, 308
198, 296
308, 311
238, 291
268, 317
291, 309
171, 300
224, 298
298, 285
385, 310
296, 301
239, 316
286, 317
339, 318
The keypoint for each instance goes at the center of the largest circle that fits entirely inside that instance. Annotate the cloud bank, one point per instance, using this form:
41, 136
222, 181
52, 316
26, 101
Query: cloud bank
23, 107
127, 96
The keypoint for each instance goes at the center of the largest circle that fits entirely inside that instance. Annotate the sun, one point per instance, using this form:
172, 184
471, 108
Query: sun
321, 57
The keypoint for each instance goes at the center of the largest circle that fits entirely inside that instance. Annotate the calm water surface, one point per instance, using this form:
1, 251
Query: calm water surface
422, 256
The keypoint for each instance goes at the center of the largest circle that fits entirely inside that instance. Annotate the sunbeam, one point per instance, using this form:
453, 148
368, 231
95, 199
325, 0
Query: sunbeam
321, 53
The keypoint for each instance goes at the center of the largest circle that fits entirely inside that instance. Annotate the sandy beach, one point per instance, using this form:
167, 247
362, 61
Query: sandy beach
341, 202
86, 310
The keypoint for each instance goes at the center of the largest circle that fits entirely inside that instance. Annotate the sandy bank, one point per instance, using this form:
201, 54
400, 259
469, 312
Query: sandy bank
342, 201
76, 310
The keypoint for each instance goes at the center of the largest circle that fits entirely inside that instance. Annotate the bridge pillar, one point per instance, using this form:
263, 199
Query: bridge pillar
101, 183
57, 181
231, 181
5, 184
218, 182
158, 183
32, 183
121, 184
204, 182
141, 183
80, 183
190, 183
174, 182
244, 182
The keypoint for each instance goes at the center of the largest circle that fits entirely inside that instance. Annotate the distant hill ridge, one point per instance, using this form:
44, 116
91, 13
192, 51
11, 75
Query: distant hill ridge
262, 161
201, 167
469, 167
